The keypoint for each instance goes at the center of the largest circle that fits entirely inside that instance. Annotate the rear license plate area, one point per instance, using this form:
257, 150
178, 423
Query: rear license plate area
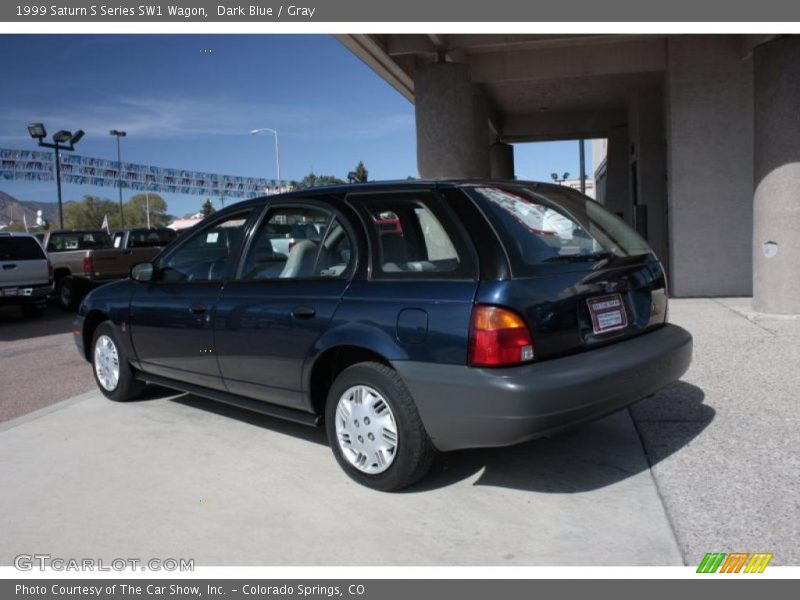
607, 313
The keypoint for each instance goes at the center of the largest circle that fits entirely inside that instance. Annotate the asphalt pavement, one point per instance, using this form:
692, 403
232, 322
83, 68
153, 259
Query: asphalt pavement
40, 365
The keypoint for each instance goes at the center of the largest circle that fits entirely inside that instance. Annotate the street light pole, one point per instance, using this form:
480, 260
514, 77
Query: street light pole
118, 134
38, 132
277, 154
58, 188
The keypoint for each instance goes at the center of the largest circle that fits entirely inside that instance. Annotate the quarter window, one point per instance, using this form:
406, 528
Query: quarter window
410, 237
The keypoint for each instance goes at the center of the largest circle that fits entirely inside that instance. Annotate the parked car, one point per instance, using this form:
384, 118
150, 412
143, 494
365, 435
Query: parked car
459, 326
25, 273
85, 259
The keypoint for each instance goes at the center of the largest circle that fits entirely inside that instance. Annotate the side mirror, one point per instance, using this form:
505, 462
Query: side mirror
143, 272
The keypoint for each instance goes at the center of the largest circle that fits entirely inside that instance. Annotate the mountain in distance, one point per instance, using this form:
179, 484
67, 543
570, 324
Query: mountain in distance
12, 209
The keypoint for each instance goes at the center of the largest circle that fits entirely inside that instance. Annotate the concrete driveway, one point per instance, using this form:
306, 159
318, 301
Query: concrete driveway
182, 477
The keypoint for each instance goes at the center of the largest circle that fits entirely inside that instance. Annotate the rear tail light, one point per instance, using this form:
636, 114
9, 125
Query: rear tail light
498, 338
50, 271
88, 264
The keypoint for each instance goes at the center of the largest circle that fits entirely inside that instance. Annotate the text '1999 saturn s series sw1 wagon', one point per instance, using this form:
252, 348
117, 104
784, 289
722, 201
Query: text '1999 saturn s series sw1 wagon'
407, 317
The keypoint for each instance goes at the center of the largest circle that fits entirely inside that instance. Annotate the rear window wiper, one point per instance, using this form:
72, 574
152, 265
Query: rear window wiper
587, 257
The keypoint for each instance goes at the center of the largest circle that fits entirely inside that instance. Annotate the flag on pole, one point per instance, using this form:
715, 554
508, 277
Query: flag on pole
105, 225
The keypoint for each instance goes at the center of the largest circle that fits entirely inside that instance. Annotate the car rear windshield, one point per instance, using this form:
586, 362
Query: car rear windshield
20, 248
78, 240
551, 225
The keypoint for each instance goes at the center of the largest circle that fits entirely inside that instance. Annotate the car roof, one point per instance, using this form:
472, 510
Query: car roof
76, 231
399, 185
16, 234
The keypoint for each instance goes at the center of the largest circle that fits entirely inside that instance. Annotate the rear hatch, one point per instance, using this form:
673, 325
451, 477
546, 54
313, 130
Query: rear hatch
581, 277
22, 262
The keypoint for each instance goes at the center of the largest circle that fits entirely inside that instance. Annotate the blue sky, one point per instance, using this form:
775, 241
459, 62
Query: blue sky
185, 107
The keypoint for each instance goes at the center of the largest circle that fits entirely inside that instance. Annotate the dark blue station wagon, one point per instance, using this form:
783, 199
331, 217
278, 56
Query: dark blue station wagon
408, 318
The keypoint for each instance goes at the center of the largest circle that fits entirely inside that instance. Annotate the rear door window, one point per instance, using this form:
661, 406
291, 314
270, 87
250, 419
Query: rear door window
14, 248
298, 242
413, 236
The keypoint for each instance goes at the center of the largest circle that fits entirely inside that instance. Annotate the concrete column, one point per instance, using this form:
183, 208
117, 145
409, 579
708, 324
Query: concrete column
776, 208
501, 161
447, 130
617, 192
480, 120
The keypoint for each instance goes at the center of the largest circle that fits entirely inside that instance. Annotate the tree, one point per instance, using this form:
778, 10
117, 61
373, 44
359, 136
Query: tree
90, 212
15, 226
313, 180
208, 208
360, 175
136, 211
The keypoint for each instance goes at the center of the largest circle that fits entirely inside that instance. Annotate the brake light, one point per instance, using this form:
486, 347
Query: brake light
498, 338
50, 271
88, 264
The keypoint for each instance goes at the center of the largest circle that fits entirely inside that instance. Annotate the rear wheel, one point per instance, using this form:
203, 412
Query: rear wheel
374, 428
67, 293
112, 371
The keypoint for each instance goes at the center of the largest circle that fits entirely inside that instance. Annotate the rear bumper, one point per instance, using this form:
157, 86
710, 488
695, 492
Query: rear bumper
464, 407
24, 294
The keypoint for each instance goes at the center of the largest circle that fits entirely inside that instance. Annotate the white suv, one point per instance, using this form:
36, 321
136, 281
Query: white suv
25, 274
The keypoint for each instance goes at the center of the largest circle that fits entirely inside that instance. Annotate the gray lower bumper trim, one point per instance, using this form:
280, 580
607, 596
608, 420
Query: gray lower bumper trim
464, 407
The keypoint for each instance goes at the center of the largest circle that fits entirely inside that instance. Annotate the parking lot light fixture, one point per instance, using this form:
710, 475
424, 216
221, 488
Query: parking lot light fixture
62, 136
63, 140
37, 131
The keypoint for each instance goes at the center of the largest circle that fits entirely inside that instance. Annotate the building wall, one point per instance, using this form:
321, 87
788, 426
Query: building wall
710, 166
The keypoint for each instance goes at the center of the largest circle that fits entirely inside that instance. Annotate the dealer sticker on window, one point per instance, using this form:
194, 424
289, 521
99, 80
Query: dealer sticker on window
608, 313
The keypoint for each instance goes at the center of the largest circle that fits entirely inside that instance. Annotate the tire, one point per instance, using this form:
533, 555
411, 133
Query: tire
32, 311
124, 386
413, 452
67, 293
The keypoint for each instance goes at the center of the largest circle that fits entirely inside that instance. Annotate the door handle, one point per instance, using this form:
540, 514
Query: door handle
9, 267
198, 309
303, 312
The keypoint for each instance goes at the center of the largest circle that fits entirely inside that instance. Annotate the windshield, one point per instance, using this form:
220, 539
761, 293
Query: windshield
553, 224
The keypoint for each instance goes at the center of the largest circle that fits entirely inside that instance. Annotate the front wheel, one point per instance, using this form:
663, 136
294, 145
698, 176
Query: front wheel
112, 371
374, 428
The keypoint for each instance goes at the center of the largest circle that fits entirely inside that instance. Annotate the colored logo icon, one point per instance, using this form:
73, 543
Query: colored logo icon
735, 562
